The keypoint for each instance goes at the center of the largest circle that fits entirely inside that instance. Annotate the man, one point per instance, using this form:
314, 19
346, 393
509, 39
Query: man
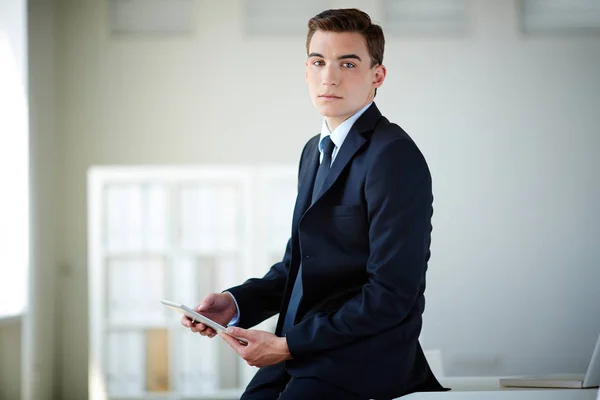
350, 287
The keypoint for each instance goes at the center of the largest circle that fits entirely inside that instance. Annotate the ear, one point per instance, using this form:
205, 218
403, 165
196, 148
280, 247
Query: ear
379, 75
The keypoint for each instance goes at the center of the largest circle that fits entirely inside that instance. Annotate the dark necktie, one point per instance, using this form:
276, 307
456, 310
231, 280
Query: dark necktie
290, 316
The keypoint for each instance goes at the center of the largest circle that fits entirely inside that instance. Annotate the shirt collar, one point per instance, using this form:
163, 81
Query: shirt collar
339, 134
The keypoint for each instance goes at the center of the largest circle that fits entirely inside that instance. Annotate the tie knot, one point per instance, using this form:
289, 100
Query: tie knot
327, 145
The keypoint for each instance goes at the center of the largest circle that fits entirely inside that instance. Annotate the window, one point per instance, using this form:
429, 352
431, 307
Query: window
176, 233
14, 178
559, 16
425, 17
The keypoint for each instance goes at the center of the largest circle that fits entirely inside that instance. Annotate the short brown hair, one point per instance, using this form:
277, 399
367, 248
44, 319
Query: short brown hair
350, 20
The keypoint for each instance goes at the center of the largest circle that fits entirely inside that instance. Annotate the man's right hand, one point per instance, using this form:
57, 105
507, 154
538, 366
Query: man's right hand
220, 307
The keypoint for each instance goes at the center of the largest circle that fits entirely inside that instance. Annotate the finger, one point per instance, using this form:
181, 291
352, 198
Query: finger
208, 332
198, 327
206, 303
238, 332
233, 343
238, 342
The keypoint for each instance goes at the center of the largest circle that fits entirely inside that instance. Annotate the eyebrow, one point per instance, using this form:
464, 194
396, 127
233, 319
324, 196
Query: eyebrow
342, 57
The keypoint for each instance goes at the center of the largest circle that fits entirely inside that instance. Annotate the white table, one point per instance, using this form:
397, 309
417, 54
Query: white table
475, 388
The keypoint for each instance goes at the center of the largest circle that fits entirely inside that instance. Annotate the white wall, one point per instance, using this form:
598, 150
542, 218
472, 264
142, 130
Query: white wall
10, 359
40, 369
508, 124
510, 128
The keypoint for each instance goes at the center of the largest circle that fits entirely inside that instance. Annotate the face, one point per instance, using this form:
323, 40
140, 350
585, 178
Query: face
339, 74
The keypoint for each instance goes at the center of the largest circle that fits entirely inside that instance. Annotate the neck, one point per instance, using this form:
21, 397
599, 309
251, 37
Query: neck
334, 122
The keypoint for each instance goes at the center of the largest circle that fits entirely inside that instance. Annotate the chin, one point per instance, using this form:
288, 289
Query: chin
331, 110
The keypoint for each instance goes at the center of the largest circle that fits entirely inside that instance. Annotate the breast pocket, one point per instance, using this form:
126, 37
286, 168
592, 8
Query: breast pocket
349, 224
346, 211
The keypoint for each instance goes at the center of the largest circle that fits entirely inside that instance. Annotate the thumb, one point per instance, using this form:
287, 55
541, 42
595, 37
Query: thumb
237, 332
206, 303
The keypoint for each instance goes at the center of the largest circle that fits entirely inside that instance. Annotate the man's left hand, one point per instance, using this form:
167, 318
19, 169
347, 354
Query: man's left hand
263, 348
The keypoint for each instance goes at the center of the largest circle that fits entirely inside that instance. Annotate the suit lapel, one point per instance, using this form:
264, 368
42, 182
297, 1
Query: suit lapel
306, 182
353, 142
350, 146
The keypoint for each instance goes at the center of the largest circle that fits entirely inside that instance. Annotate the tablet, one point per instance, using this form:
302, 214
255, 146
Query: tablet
197, 317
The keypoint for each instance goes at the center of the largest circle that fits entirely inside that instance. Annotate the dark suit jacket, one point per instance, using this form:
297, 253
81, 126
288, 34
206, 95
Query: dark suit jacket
364, 247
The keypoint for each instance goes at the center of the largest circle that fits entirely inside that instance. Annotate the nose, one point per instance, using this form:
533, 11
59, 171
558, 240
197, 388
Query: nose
330, 76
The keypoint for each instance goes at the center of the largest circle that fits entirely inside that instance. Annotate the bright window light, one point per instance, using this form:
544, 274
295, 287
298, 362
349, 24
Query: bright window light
14, 184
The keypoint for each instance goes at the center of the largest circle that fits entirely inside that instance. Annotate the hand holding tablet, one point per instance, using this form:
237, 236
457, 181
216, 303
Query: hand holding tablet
197, 317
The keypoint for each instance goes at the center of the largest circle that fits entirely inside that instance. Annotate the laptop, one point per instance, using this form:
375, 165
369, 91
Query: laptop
589, 380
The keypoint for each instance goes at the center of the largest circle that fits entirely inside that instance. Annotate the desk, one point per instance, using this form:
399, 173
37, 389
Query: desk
485, 388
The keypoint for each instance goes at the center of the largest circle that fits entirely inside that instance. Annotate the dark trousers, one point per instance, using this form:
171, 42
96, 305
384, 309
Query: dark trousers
274, 383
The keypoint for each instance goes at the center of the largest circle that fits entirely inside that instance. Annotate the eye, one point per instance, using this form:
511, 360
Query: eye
348, 65
318, 63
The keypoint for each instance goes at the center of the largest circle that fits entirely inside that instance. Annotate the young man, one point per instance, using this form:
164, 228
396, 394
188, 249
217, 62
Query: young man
350, 288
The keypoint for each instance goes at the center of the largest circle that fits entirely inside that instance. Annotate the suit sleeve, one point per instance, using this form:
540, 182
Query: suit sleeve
260, 298
399, 205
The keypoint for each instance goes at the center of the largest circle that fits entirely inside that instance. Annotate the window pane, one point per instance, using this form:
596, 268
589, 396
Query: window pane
14, 175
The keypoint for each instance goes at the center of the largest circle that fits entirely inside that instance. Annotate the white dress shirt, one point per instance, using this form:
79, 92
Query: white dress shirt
340, 133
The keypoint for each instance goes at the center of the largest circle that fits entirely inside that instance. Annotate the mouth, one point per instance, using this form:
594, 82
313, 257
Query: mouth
329, 97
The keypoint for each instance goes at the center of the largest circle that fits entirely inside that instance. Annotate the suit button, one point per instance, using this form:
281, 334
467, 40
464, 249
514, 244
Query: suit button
307, 257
